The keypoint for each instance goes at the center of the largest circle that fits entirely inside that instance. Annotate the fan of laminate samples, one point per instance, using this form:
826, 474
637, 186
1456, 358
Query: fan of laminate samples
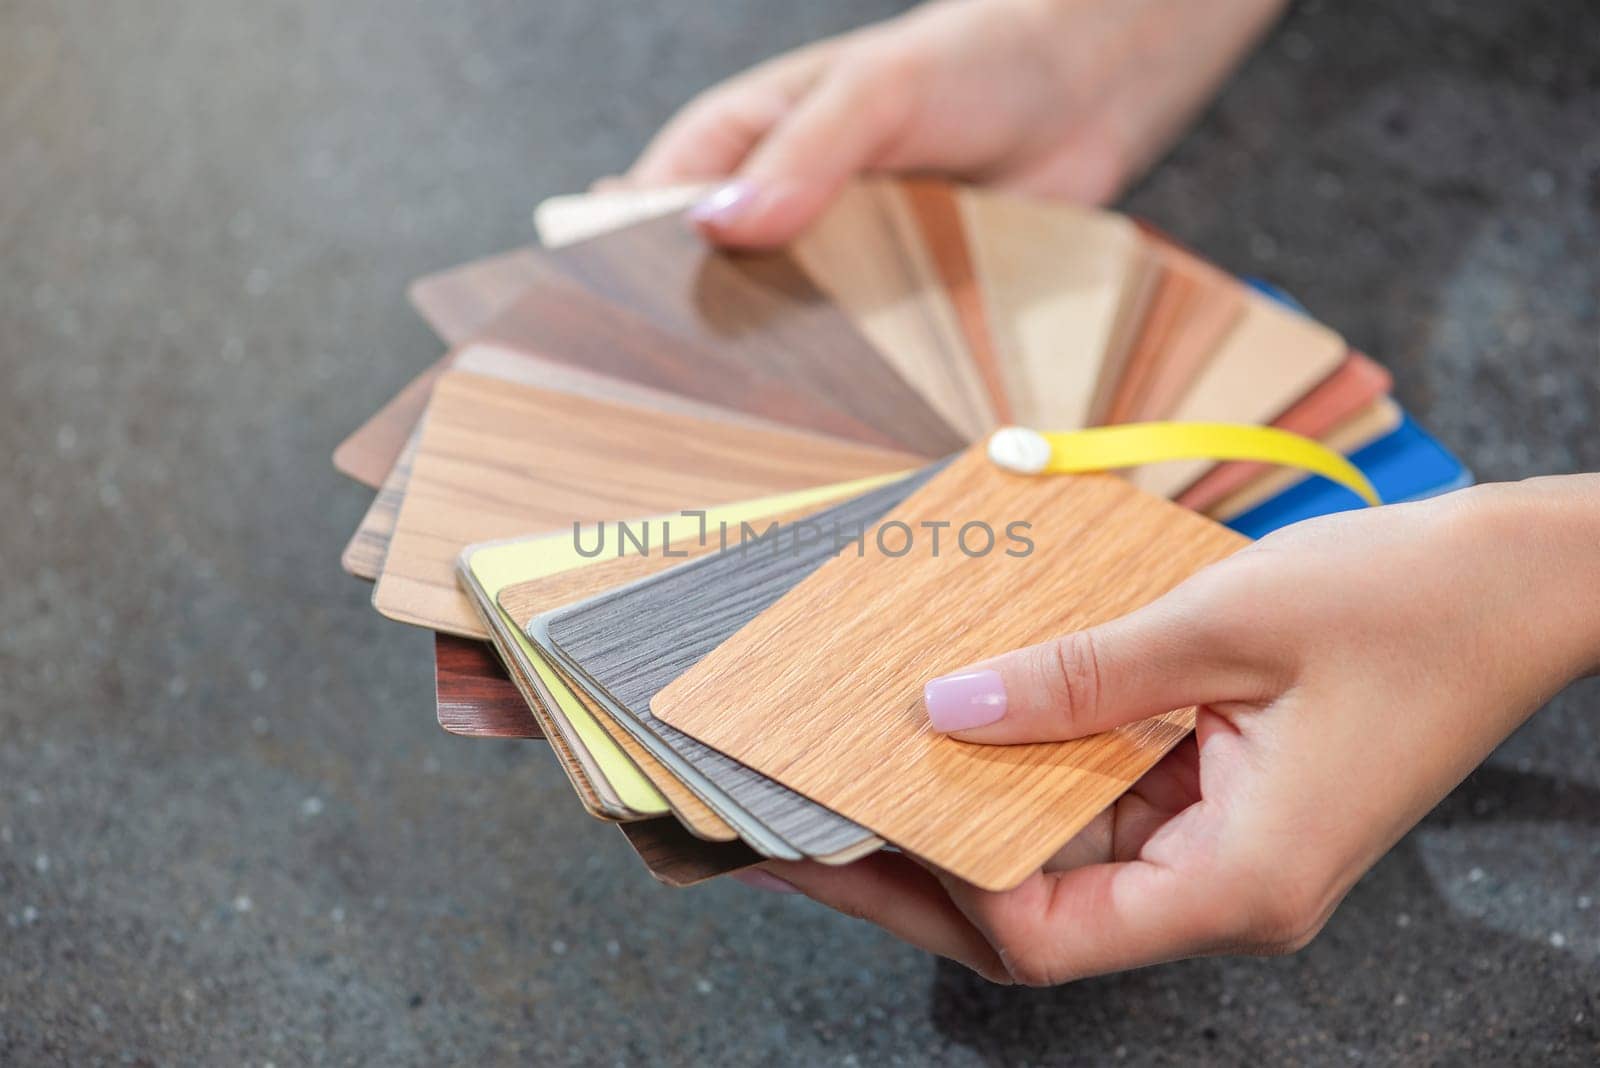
679, 511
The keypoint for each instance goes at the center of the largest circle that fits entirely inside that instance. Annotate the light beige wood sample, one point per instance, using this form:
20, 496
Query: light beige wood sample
1269, 360
933, 208
1145, 271
501, 460
574, 217
1376, 420
822, 692
1052, 277
866, 254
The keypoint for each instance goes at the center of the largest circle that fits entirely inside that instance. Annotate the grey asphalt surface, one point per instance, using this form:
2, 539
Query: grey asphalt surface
230, 832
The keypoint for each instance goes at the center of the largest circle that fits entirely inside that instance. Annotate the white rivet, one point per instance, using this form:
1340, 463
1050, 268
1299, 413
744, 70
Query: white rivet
1016, 448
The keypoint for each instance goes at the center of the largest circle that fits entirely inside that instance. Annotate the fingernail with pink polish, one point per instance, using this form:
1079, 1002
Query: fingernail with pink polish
724, 204
965, 700
765, 880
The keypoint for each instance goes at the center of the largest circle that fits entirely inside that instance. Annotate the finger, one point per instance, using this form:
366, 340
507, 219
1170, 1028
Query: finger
835, 132
1057, 927
713, 134
1183, 649
890, 890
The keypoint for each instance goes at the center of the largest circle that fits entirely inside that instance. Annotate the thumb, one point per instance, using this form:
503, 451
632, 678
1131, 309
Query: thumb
1170, 654
834, 133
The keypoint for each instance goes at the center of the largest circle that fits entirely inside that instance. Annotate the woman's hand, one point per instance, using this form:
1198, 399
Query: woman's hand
1349, 672
1069, 98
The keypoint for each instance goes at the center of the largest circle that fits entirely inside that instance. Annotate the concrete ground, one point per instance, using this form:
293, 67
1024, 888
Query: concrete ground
230, 831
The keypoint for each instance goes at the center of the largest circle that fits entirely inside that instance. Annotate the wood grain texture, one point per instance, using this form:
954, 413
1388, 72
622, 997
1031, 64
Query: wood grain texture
1271, 358
609, 785
368, 547
934, 210
561, 321
566, 220
1193, 309
865, 258
1052, 278
627, 645
1350, 389
473, 694
758, 310
498, 460
457, 302
792, 696
677, 858
1379, 419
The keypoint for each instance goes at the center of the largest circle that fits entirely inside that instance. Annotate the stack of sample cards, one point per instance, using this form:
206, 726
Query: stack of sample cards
708, 521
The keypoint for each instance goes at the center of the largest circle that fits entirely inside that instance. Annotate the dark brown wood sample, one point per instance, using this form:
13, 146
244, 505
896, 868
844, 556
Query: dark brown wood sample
473, 694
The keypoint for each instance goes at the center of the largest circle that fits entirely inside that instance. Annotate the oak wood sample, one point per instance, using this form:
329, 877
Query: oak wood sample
473, 694
369, 546
758, 310
1052, 277
1350, 389
936, 213
627, 645
792, 695
498, 459
1269, 360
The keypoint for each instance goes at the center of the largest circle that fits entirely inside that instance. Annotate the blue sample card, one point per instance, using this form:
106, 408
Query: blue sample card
1405, 465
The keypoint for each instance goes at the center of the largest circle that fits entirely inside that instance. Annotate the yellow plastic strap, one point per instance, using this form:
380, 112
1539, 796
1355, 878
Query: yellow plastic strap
1107, 448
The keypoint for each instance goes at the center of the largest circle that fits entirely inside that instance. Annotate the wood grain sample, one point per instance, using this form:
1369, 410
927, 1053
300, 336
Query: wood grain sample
499, 459
792, 696
758, 310
1268, 361
367, 548
1193, 309
370, 453
473, 694
566, 220
866, 258
936, 213
1350, 389
1378, 420
624, 647
678, 859
561, 321
487, 571
458, 301
1052, 277
1146, 269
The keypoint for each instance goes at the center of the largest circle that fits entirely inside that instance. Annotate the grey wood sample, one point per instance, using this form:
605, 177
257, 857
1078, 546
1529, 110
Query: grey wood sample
628, 645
